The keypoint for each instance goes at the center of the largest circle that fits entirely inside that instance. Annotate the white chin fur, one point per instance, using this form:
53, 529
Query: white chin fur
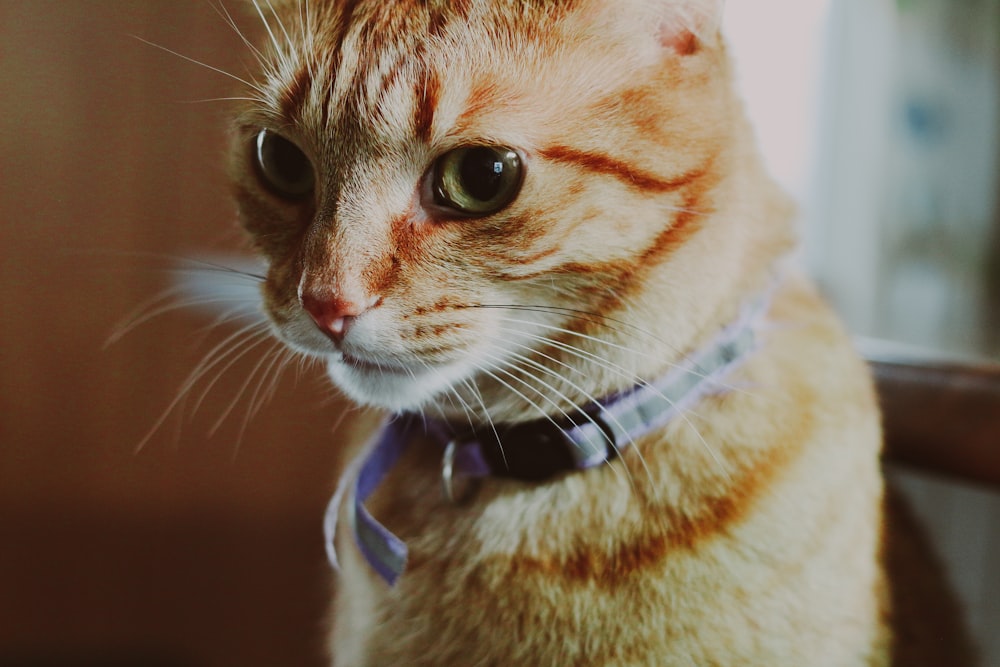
393, 390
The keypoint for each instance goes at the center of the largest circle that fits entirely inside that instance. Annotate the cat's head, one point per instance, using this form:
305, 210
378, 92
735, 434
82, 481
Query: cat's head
459, 198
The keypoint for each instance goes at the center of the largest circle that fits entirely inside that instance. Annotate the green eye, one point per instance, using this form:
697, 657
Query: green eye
283, 167
477, 180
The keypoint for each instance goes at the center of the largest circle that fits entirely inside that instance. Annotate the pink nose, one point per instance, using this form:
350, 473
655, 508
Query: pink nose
333, 315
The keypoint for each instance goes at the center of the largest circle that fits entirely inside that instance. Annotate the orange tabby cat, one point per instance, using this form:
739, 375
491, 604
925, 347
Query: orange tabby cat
490, 212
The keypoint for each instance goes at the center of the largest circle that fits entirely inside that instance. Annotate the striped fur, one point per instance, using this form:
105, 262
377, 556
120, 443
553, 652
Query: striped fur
747, 533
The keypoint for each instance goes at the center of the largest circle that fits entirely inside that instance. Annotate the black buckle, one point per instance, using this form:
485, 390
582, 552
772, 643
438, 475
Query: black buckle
530, 451
466, 486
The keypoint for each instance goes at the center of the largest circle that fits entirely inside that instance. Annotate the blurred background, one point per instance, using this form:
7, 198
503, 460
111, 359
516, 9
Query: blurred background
203, 547
198, 549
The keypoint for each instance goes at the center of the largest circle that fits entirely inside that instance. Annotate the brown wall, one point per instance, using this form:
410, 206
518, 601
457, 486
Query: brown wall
203, 550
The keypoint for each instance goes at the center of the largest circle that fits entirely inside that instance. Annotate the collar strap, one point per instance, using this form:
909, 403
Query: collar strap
539, 450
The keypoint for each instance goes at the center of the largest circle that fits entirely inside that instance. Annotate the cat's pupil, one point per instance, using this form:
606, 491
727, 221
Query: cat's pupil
283, 166
482, 171
477, 180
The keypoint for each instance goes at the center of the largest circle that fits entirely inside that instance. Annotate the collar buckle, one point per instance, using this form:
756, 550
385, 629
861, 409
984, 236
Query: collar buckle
458, 488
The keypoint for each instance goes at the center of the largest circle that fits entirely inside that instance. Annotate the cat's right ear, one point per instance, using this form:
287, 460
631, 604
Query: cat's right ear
681, 27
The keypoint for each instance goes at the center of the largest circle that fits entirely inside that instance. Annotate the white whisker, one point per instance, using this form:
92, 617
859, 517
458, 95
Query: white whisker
583, 315
279, 52
233, 354
558, 394
281, 25
223, 72
214, 357
227, 17
577, 334
593, 401
695, 370
625, 373
486, 371
217, 424
277, 353
208, 100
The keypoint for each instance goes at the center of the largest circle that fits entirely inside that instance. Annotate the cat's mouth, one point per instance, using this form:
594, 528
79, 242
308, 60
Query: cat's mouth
392, 384
379, 367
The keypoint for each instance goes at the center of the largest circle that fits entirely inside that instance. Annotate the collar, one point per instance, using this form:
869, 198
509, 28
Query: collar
588, 437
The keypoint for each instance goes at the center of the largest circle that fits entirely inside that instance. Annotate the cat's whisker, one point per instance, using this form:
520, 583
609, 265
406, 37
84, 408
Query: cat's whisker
149, 308
278, 50
245, 82
265, 386
186, 265
544, 414
287, 359
202, 266
625, 373
593, 401
287, 58
470, 414
687, 210
209, 100
235, 313
471, 386
455, 399
160, 305
304, 363
284, 30
305, 25
593, 318
227, 17
695, 370
575, 351
233, 354
581, 315
497, 362
268, 385
214, 357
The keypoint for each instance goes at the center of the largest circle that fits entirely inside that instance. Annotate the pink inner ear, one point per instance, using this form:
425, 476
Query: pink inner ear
678, 39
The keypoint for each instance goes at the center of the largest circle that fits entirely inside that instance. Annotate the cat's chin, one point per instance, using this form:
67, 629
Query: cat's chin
392, 388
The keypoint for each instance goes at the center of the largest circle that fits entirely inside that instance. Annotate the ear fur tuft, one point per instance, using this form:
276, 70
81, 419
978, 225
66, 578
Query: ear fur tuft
677, 26
685, 24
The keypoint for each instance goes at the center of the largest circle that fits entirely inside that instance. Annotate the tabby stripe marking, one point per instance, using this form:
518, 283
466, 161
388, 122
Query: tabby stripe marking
686, 224
715, 517
295, 92
428, 93
604, 164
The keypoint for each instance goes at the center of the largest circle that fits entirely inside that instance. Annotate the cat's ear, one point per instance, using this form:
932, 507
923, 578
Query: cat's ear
684, 25
679, 26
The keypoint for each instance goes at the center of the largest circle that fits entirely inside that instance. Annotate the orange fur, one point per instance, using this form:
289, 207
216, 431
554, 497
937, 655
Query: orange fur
746, 533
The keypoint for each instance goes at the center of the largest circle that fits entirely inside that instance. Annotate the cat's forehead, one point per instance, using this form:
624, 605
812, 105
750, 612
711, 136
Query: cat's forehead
398, 70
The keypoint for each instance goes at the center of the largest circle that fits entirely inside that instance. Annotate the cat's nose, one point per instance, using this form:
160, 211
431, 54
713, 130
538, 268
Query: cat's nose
333, 315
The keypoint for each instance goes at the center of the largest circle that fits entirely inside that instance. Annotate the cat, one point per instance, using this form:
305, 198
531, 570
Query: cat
500, 220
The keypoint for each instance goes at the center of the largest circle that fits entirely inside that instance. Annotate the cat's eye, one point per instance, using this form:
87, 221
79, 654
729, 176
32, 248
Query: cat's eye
283, 166
477, 180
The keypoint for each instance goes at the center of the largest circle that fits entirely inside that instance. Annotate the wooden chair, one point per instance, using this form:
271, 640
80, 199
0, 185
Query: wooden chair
940, 416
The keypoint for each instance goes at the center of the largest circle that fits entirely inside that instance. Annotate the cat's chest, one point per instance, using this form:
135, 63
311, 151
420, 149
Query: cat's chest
483, 518
491, 580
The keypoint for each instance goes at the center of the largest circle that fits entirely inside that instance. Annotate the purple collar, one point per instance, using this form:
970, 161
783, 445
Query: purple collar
540, 450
